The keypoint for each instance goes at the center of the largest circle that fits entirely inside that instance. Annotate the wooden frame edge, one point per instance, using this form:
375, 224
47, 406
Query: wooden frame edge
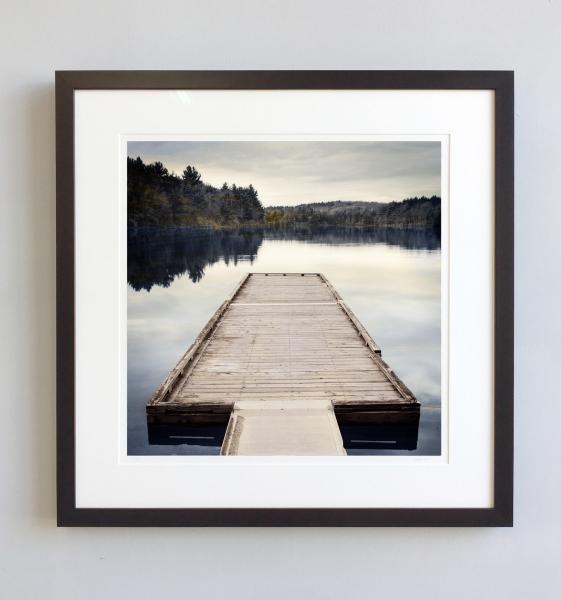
65, 300
502, 83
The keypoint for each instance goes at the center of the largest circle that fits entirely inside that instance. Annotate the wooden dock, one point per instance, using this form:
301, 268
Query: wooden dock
283, 360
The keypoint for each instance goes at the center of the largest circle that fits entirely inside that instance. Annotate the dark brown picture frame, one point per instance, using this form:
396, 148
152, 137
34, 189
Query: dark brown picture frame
501, 82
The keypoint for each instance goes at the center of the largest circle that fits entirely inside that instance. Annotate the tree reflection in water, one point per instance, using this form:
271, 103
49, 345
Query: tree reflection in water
157, 255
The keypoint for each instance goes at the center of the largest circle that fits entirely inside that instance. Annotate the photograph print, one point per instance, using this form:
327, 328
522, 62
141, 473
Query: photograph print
284, 298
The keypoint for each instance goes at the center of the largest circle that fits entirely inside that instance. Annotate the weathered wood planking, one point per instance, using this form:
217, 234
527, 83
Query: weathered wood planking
282, 337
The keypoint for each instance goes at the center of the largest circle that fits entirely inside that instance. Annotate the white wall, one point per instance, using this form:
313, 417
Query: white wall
39, 561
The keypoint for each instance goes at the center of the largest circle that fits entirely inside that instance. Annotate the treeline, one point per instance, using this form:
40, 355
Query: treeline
157, 197
412, 213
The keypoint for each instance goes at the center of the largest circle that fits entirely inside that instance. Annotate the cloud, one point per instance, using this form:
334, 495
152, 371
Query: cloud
288, 173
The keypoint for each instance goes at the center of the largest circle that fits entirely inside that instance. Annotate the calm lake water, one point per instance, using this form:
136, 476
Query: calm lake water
178, 278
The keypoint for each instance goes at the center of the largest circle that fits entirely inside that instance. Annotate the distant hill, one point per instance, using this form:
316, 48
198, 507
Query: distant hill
412, 213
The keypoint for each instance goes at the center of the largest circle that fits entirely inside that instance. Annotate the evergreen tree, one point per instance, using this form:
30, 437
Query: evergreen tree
191, 175
158, 197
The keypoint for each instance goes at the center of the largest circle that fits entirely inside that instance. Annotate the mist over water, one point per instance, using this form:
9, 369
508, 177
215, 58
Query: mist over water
178, 277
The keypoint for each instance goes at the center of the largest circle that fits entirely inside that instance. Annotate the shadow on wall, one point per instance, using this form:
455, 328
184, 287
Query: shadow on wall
34, 126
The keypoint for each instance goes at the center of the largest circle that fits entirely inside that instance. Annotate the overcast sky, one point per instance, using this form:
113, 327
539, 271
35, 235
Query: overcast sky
289, 173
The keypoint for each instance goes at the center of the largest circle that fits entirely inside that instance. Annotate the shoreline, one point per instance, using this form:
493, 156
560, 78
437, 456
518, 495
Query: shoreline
288, 227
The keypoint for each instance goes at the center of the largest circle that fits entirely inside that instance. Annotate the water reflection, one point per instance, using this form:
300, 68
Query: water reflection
361, 439
157, 255
411, 239
179, 277
191, 437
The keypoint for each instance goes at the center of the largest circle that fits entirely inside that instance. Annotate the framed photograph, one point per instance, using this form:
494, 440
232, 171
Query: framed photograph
285, 298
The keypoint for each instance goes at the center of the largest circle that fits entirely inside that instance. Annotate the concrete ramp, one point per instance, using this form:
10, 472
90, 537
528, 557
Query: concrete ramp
277, 427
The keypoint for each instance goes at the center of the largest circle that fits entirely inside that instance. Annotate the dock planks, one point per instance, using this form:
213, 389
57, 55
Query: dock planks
285, 338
